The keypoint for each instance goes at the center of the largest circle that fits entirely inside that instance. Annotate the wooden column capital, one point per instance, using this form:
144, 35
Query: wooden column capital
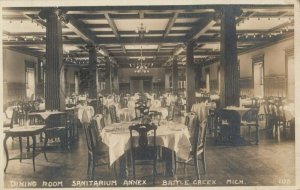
47, 13
233, 10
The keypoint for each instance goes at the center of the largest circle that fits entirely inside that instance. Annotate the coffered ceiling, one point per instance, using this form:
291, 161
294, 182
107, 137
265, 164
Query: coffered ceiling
114, 29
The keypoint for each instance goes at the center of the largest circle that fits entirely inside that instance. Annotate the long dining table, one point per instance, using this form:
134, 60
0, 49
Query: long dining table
173, 136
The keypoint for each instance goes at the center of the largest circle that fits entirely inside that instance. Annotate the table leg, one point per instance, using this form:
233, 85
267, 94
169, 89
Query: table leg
257, 134
6, 151
28, 144
169, 159
33, 151
20, 144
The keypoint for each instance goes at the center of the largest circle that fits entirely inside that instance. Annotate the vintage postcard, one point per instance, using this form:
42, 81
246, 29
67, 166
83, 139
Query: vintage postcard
150, 94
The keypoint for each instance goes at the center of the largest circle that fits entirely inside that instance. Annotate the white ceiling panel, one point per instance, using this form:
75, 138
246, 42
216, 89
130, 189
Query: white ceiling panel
141, 46
95, 21
261, 24
25, 26
133, 24
185, 20
211, 46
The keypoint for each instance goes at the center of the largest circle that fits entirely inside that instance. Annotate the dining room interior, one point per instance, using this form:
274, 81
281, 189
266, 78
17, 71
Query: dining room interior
169, 95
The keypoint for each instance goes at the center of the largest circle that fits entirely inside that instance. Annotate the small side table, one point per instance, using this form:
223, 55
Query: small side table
23, 131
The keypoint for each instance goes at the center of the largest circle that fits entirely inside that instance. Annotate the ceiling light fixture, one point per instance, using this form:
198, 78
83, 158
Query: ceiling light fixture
141, 67
142, 30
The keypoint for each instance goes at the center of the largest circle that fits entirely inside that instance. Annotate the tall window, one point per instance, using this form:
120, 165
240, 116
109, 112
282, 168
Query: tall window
290, 74
76, 83
207, 78
258, 76
30, 80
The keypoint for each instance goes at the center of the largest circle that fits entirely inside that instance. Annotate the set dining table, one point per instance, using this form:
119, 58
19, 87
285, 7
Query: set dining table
173, 136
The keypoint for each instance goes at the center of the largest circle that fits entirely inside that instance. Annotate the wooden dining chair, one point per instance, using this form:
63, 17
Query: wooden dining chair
57, 128
250, 119
230, 121
100, 122
113, 114
171, 112
141, 111
97, 150
155, 117
198, 139
142, 151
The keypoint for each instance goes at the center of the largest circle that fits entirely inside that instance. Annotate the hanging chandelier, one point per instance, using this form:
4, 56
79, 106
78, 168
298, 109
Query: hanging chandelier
141, 31
141, 67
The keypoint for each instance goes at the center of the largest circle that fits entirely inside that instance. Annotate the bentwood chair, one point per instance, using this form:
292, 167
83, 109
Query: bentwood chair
97, 150
198, 138
140, 148
250, 119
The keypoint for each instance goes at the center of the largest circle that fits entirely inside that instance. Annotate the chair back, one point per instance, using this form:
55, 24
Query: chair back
231, 116
171, 111
99, 121
251, 115
141, 110
92, 136
141, 102
56, 120
94, 104
193, 125
113, 114
232, 119
187, 120
143, 130
155, 117
13, 119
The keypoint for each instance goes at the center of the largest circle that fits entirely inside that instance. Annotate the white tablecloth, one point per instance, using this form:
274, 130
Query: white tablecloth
126, 114
240, 110
174, 136
202, 109
46, 114
89, 111
164, 111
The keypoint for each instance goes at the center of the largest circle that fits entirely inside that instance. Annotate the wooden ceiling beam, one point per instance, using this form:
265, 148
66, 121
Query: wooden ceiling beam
168, 28
135, 41
200, 28
78, 27
114, 28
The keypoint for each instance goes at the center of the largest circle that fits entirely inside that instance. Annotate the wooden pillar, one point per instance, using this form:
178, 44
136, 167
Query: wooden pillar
92, 71
190, 76
198, 75
55, 84
108, 76
229, 85
175, 76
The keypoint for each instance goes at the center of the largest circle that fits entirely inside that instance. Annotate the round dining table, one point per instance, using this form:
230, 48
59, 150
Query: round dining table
173, 136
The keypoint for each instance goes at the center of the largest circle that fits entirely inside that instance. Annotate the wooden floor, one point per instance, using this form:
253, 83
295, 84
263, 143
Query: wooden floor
267, 164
